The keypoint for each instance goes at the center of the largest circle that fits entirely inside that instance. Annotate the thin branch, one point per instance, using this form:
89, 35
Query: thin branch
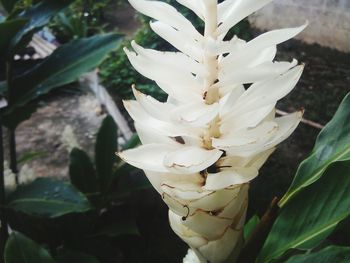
13, 153
306, 121
3, 216
258, 237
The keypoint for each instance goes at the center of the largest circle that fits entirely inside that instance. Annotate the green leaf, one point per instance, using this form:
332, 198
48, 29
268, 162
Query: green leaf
250, 226
132, 142
64, 66
47, 197
105, 149
327, 255
8, 4
29, 156
311, 215
21, 249
332, 144
82, 172
69, 256
8, 30
38, 16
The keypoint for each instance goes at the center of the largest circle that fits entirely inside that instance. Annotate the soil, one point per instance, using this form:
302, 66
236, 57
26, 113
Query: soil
43, 132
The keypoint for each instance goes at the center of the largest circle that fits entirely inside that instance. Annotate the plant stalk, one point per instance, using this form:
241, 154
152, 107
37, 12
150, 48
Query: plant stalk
12, 131
3, 216
257, 238
13, 153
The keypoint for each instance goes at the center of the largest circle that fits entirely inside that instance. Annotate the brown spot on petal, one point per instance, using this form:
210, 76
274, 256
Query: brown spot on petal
216, 212
179, 139
205, 95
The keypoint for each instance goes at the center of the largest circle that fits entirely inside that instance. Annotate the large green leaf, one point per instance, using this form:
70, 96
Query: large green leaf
333, 144
330, 254
38, 16
21, 249
48, 197
132, 142
250, 226
8, 29
105, 149
311, 215
81, 171
64, 66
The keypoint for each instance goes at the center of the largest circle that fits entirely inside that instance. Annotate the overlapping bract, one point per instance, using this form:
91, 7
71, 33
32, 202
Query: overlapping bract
207, 142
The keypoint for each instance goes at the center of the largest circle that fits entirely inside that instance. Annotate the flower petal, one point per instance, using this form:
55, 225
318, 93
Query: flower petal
265, 93
258, 73
191, 159
192, 238
179, 40
165, 13
257, 135
196, 114
195, 5
148, 157
230, 12
230, 177
210, 227
154, 70
286, 125
138, 114
171, 60
220, 249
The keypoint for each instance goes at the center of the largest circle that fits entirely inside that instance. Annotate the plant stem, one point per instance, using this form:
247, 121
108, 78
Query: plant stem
13, 153
3, 216
12, 132
259, 235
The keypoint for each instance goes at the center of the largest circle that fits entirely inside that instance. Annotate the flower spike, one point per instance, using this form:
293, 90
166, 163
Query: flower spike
204, 145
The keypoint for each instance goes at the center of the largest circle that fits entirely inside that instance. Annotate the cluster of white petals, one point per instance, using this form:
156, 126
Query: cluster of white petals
203, 146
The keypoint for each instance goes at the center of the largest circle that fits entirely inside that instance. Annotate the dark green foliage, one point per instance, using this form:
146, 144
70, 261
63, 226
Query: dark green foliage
64, 66
21, 88
8, 30
105, 152
118, 75
318, 199
82, 172
38, 16
327, 255
312, 215
8, 4
21, 249
87, 226
332, 145
48, 197
82, 19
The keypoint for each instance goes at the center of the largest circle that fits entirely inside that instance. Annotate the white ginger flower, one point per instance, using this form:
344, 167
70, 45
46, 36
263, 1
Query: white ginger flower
208, 141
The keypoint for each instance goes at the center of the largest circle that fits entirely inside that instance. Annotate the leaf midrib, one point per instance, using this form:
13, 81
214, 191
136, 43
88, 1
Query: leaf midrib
318, 172
72, 65
318, 231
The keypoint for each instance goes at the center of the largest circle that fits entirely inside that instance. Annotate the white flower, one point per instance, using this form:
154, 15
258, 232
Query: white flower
207, 142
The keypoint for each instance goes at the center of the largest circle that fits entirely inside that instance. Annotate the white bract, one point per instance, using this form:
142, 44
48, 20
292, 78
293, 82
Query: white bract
202, 147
